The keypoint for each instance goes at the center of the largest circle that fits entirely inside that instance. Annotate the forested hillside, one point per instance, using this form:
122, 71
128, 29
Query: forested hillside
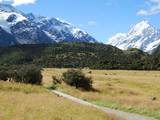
78, 55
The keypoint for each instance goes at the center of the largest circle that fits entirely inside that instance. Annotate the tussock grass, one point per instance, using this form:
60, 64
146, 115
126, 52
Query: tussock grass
39, 104
131, 91
8, 86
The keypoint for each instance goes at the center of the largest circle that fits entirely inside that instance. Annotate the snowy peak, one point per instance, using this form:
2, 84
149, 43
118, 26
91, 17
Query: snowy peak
140, 28
8, 8
33, 29
9, 16
60, 30
142, 25
142, 36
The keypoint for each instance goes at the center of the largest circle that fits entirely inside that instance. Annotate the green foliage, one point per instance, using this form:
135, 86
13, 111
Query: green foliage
28, 74
79, 55
55, 83
53, 87
4, 75
78, 79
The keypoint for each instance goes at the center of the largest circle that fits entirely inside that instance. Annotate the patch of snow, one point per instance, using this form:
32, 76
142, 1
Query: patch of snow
78, 33
4, 24
5, 16
151, 47
117, 39
63, 21
142, 36
139, 28
53, 37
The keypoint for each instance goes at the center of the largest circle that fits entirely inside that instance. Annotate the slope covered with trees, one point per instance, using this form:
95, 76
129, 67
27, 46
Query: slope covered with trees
76, 55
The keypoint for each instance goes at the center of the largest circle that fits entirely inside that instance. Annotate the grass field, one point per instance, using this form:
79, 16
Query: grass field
27, 102
131, 91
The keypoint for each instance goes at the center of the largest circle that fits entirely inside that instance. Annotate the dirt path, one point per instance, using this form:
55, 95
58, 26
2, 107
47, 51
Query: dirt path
121, 114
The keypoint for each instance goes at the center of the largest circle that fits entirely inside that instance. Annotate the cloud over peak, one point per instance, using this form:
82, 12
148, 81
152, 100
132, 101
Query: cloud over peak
19, 2
152, 10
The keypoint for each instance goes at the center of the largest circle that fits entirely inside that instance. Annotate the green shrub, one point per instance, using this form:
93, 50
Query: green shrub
55, 83
53, 87
29, 74
56, 80
4, 76
78, 79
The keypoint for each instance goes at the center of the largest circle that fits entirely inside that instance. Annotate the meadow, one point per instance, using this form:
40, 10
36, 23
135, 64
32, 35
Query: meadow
28, 102
131, 91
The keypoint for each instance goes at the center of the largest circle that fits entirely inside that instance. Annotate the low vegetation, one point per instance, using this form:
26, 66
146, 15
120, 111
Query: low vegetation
4, 75
78, 55
77, 79
55, 83
20, 87
131, 91
29, 102
29, 74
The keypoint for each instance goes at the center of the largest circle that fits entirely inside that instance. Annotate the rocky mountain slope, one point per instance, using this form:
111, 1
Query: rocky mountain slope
143, 36
23, 28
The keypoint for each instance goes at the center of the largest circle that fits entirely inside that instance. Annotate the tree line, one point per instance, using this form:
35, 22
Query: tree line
79, 55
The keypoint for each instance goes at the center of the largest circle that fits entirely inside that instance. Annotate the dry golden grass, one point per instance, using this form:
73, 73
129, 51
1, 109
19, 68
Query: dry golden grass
27, 102
126, 90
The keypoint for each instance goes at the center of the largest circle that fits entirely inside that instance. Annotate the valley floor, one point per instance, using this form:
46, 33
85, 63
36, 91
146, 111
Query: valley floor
131, 91
27, 102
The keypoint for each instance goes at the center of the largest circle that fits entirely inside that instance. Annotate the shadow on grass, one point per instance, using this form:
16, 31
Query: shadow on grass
90, 90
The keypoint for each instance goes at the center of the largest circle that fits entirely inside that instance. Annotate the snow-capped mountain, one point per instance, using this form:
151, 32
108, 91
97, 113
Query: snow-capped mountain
31, 29
143, 36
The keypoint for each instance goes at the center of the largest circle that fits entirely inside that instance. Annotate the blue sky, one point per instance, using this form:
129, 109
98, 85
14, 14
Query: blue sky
101, 18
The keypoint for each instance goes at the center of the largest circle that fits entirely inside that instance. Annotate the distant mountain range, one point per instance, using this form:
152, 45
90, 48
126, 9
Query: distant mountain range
143, 36
17, 27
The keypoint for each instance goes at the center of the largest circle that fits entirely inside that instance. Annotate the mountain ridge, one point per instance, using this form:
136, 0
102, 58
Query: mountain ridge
33, 29
143, 36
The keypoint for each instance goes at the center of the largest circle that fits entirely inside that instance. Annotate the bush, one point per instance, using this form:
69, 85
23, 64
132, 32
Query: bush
53, 87
28, 74
4, 76
78, 79
55, 83
56, 80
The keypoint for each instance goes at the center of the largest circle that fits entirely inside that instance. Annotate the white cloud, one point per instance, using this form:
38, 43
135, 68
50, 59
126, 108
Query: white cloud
92, 23
20, 2
154, 8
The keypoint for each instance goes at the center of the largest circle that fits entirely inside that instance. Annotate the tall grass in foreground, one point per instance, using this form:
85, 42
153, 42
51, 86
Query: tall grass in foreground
131, 91
28, 102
